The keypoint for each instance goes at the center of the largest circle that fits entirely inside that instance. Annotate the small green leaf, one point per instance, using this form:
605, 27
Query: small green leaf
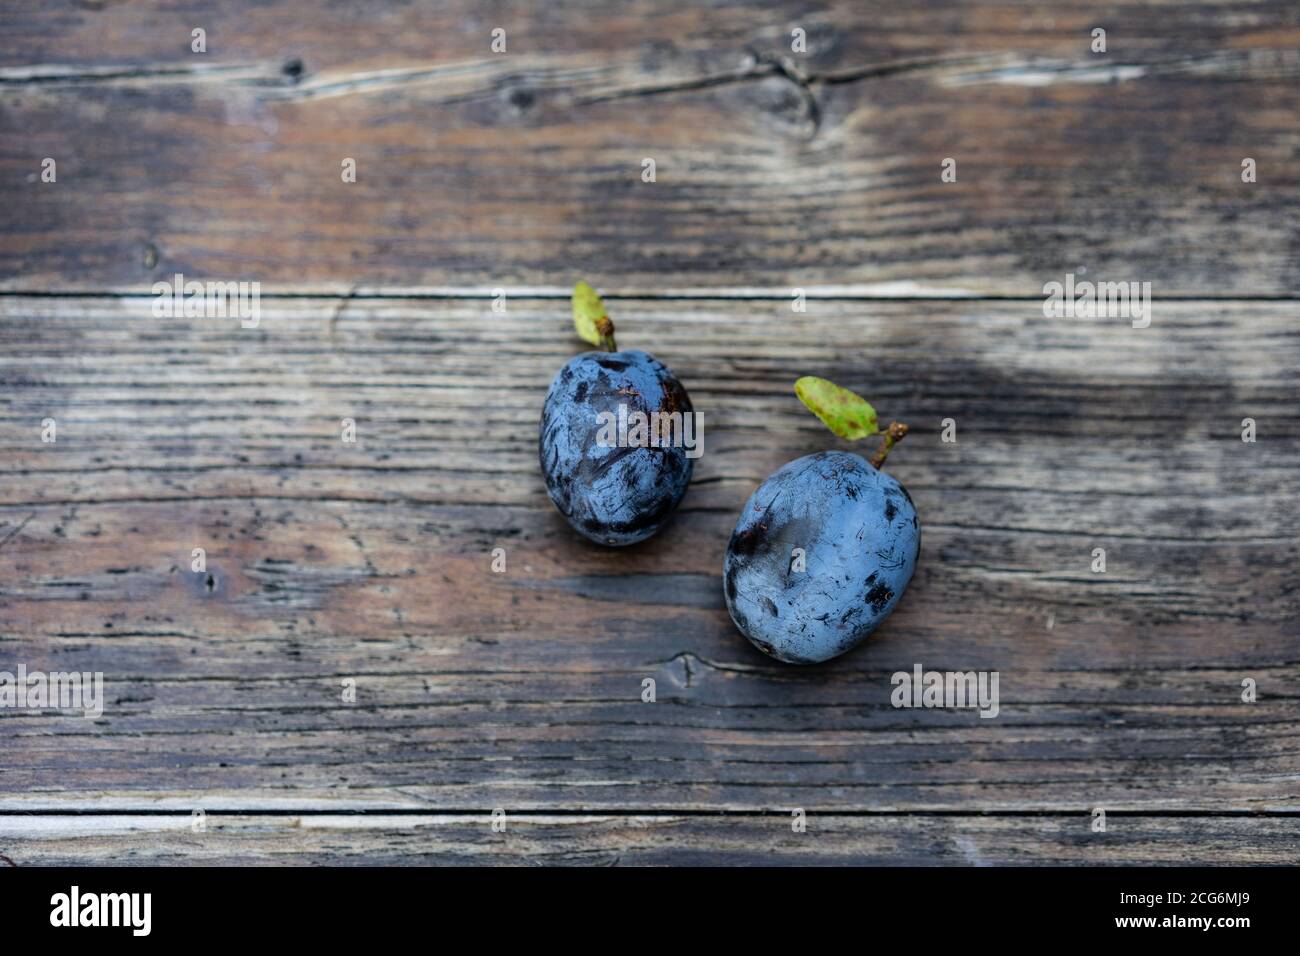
589, 318
846, 414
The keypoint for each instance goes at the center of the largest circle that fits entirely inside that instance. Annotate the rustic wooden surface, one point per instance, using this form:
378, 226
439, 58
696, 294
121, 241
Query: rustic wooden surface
522, 691
644, 839
774, 169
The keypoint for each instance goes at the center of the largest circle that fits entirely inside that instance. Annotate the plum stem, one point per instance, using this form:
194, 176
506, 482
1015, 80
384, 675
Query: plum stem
606, 329
894, 433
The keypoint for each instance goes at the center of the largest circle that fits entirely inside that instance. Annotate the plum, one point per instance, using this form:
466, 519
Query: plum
613, 485
826, 546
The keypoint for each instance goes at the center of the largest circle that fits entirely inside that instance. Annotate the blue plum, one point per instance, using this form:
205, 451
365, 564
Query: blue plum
860, 538
614, 495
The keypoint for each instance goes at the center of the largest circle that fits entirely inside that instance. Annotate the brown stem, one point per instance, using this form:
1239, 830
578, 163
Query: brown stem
606, 329
893, 434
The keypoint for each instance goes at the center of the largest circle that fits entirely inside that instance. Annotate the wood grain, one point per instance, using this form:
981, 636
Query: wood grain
775, 170
643, 840
523, 690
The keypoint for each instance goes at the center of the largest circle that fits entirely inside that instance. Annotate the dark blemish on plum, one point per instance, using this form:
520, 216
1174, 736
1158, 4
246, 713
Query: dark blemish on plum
644, 519
614, 457
879, 596
769, 606
614, 365
750, 541
890, 511
673, 400
580, 393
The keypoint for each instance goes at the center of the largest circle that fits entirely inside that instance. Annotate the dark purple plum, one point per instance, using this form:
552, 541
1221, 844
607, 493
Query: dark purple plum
825, 547
614, 495
858, 531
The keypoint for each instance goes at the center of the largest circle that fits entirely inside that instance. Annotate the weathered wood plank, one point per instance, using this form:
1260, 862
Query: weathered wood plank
648, 840
522, 689
774, 170
85, 36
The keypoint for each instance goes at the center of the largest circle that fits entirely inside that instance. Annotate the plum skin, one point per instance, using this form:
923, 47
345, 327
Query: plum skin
614, 496
860, 535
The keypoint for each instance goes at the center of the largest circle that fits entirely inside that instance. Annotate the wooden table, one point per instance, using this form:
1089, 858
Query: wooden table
522, 171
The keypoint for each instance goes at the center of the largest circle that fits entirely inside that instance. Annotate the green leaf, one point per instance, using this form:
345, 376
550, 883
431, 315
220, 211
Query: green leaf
845, 413
589, 318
